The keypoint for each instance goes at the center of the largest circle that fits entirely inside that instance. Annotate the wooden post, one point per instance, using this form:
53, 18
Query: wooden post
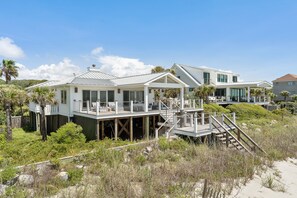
88, 106
147, 127
160, 106
143, 126
210, 122
195, 123
116, 107
116, 129
97, 130
201, 103
80, 105
202, 118
102, 128
131, 106
131, 129
194, 104
156, 134
97, 108
234, 117
175, 121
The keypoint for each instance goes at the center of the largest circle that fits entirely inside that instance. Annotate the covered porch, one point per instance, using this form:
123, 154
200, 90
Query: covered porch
230, 93
136, 94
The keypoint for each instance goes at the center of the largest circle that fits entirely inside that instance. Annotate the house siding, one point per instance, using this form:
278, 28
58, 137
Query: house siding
278, 87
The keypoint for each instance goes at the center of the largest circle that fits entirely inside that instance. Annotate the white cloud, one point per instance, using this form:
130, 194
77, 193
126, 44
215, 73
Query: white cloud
121, 66
97, 51
59, 71
10, 50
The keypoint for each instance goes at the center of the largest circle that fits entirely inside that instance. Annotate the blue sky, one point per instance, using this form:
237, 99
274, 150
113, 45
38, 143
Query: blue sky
255, 38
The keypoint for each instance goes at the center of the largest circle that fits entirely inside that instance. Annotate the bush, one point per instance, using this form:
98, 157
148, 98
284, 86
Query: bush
209, 108
7, 174
75, 175
249, 111
68, 134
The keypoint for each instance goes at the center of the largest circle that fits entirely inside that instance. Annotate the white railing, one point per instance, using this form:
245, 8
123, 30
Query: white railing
116, 107
48, 110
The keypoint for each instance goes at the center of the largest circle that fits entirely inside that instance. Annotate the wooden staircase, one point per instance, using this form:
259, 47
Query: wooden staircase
232, 136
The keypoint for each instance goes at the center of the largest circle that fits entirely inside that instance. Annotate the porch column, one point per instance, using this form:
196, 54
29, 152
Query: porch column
228, 94
238, 95
146, 98
182, 98
98, 130
116, 129
249, 95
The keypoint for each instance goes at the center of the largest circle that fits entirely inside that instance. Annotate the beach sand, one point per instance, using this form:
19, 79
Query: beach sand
284, 182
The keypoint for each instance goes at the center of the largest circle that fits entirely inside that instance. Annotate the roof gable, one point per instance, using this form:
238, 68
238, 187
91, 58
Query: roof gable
286, 78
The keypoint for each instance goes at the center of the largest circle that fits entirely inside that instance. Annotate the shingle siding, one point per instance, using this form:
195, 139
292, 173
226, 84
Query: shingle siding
278, 87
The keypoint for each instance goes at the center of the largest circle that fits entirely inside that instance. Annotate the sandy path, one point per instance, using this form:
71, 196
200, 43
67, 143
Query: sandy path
284, 176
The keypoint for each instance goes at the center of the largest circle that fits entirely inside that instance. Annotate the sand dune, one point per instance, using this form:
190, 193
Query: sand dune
278, 182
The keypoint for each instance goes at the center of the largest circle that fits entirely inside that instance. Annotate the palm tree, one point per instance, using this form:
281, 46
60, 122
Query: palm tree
8, 70
43, 96
258, 93
8, 97
272, 96
204, 91
285, 94
158, 69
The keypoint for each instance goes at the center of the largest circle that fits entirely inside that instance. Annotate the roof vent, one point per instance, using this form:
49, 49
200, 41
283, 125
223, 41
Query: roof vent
93, 65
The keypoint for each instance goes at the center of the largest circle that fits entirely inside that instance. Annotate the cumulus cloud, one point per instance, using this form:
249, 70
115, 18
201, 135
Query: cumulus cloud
97, 51
10, 50
59, 71
121, 66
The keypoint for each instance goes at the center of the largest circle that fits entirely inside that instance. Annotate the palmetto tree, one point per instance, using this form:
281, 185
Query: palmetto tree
23, 99
8, 70
258, 93
158, 69
204, 91
43, 96
272, 96
8, 97
285, 94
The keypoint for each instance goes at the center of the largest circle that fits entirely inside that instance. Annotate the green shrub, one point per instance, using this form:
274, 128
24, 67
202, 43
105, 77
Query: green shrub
75, 175
7, 174
246, 111
68, 134
140, 159
209, 108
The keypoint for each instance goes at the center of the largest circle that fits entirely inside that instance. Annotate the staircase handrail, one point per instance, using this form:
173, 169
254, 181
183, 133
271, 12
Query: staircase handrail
168, 118
226, 130
241, 131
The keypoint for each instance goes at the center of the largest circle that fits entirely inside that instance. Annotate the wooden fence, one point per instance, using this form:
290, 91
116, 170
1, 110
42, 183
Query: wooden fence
209, 192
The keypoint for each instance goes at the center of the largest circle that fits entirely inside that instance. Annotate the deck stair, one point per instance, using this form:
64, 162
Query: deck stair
232, 136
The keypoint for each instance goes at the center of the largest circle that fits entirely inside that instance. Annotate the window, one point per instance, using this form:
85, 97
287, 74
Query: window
234, 78
222, 78
75, 89
191, 89
290, 83
206, 77
63, 96
110, 96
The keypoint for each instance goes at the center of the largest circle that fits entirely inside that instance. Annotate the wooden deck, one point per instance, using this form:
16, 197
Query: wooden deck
122, 114
202, 130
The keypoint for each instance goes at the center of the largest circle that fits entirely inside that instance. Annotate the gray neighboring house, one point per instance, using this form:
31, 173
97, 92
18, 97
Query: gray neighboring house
229, 88
287, 82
